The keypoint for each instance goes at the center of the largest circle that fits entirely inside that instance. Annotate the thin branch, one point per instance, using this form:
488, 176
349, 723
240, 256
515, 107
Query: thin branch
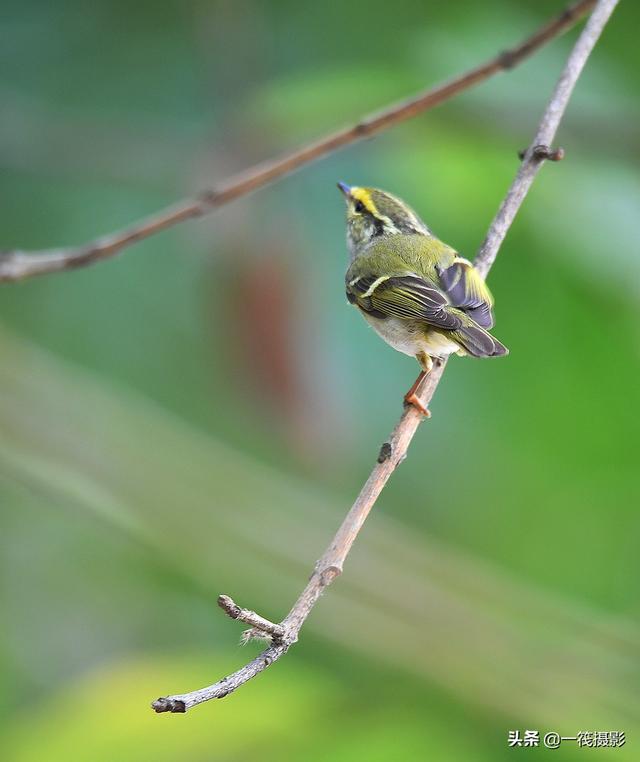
545, 135
257, 622
180, 704
394, 451
18, 265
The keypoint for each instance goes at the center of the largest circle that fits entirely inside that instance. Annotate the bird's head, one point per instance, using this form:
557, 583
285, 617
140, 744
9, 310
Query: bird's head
373, 214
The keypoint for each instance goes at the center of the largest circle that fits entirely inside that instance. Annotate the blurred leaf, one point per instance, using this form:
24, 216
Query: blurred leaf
106, 716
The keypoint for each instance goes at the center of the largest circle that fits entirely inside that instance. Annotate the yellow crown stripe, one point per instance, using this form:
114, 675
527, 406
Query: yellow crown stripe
363, 195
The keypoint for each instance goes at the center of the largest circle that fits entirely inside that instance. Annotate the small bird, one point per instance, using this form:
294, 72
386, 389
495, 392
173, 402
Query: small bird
418, 294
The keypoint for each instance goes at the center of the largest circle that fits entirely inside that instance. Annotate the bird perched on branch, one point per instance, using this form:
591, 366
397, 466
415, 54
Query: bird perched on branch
418, 294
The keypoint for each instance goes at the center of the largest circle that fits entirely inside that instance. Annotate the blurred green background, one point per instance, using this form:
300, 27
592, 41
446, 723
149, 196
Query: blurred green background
195, 416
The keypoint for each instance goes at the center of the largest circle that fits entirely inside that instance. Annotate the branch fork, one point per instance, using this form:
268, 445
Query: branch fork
259, 625
282, 635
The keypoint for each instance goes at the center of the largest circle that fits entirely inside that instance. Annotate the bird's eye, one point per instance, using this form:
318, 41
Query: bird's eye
358, 207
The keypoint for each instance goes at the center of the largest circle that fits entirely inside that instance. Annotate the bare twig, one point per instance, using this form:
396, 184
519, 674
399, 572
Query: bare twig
180, 704
394, 450
18, 265
257, 622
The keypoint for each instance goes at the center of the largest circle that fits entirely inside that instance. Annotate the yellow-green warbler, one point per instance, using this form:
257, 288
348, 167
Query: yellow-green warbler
414, 290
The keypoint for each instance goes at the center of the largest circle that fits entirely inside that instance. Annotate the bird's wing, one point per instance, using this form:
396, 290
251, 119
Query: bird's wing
407, 296
466, 290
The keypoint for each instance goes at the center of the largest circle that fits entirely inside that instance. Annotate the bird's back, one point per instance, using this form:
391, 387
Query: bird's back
418, 254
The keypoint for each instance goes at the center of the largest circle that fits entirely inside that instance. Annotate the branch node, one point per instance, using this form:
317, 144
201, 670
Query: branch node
162, 704
206, 200
542, 152
229, 606
567, 14
386, 451
328, 574
507, 59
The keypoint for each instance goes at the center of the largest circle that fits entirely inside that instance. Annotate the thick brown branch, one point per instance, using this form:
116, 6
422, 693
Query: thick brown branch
394, 450
18, 265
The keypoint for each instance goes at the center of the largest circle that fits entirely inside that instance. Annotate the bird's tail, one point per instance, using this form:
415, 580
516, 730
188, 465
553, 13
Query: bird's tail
476, 341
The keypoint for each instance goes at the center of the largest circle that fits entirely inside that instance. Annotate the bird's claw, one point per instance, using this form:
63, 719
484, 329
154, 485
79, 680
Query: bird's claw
412, 399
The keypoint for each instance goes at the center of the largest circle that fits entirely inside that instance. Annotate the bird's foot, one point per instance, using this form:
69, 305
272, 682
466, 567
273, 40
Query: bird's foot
411, 398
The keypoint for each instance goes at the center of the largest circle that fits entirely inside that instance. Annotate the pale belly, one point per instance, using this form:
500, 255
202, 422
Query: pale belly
412, 338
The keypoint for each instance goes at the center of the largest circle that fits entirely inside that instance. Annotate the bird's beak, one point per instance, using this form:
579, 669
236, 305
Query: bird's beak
345, 189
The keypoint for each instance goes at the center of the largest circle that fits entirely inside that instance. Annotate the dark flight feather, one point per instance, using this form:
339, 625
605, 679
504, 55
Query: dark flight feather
409, 297
466, 290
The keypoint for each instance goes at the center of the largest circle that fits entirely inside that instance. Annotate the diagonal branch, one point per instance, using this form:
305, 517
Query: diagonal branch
18, 265
394, 451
